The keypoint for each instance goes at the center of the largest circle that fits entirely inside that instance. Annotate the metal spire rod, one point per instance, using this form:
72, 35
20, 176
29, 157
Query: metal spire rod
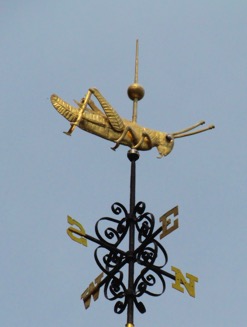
136, 91
136, 62
133, 156
135, 101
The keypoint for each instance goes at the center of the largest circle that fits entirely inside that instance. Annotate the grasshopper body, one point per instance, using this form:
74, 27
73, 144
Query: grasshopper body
109, 125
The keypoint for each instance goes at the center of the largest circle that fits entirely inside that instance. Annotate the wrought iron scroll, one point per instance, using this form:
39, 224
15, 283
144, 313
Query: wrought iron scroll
111, 259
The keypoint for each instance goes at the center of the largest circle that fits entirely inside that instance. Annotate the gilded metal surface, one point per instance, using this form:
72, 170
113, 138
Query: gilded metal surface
167, 221
136, 91
110, 126
92, 291
81, 231
180, 280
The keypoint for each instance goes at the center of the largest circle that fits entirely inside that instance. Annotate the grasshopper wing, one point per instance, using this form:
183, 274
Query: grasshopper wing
65, 109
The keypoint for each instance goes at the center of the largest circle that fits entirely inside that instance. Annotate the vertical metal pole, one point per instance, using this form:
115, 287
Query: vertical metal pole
135, 93
133, 155
135, 100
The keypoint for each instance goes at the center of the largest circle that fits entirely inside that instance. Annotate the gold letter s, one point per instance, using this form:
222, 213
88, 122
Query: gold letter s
82, 240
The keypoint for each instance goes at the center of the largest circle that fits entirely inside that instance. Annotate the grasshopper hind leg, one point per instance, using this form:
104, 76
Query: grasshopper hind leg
127, 130
144, 134
135, 142
82, 108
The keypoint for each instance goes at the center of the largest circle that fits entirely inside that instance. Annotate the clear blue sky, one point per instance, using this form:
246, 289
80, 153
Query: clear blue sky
193, 66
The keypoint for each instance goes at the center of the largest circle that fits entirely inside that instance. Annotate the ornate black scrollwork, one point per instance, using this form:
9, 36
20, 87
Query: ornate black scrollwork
146, 256
150, 276
139, 208
111, 259
114, 234
147, 279
145, 226
114, 290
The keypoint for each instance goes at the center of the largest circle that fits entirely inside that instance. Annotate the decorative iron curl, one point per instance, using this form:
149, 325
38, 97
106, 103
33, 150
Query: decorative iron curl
114, 235
146, 256
115, 289
139, 208
118, 208
145, 226
113, 259
147, 279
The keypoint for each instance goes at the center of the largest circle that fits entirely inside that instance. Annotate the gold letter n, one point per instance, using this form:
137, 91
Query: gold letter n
180, 279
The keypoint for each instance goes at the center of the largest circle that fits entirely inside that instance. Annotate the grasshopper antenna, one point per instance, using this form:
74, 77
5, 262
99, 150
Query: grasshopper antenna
184, 134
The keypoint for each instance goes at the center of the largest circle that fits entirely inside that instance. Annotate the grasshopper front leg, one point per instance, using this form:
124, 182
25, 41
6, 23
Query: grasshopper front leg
81, 111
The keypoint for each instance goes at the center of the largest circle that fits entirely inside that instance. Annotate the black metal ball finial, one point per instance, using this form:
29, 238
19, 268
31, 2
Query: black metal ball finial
133, 155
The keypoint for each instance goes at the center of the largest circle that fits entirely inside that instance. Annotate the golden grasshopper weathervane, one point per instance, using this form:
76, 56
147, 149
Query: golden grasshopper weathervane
145, 274
110, 126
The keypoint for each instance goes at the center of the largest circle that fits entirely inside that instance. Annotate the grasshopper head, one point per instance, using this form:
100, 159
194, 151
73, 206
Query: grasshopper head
166, 145
166, 141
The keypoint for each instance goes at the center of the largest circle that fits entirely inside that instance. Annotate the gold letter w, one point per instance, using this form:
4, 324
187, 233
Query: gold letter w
92, 290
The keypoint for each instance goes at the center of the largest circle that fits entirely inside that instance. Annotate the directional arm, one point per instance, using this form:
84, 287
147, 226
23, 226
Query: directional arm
84, 237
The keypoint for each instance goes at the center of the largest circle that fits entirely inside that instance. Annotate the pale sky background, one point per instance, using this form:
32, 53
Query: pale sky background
193, 66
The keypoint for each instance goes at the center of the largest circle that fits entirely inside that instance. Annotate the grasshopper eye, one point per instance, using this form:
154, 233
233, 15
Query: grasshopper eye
169, 138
